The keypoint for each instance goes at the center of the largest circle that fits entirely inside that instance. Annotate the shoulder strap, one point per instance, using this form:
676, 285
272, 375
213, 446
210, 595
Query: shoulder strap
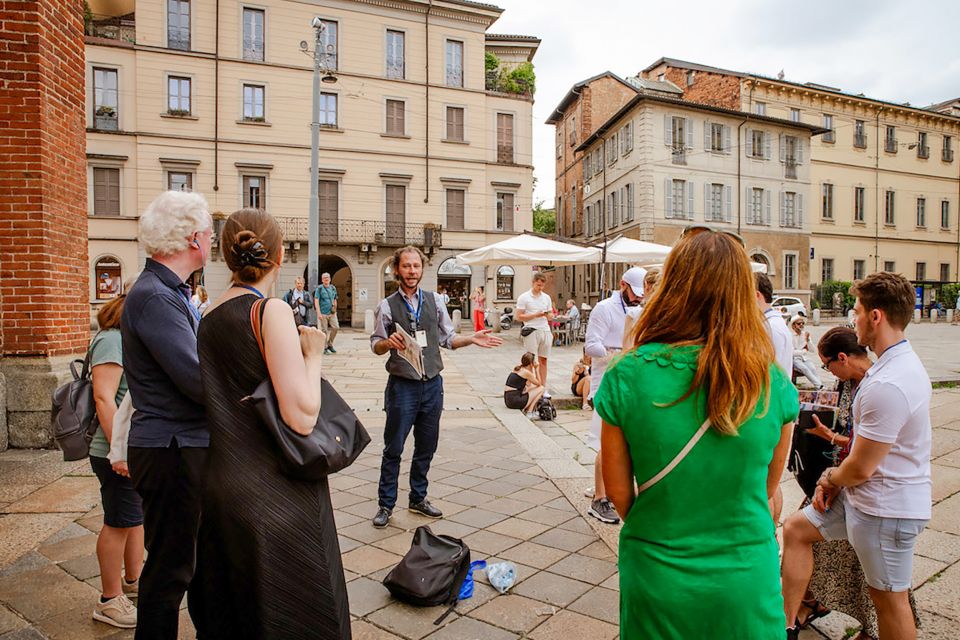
257, 309
677, 459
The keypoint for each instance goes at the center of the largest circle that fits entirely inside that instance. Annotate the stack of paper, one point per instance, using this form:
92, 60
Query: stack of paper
411, 352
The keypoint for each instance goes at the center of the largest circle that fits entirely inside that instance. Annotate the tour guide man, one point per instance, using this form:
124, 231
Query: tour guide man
413, 400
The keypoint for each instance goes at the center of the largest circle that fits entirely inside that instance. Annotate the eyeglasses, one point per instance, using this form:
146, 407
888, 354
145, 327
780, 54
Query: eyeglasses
697, 228
826, 365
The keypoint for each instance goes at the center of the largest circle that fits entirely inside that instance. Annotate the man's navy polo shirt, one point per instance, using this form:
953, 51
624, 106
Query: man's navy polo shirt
159, 329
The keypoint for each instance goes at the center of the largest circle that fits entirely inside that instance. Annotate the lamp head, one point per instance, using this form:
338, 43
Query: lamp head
303, 45
316, 23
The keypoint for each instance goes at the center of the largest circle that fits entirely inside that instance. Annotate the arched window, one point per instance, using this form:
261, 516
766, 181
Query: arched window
107, 278
389, 282
450, 267
762, 258
505, 283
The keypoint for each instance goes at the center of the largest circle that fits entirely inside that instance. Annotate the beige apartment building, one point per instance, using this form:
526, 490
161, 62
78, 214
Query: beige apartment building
885, 180
415, 146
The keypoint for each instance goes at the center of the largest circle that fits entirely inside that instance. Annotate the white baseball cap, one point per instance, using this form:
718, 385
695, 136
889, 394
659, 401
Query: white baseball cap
634, 277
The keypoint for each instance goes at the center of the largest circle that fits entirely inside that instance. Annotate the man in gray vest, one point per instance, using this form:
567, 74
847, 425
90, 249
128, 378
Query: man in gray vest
413, 400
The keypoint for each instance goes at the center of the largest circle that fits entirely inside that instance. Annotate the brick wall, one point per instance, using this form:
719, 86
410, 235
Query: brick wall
714, 89
43, 222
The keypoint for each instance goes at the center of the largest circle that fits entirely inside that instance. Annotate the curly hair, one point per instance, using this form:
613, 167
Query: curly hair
169, 221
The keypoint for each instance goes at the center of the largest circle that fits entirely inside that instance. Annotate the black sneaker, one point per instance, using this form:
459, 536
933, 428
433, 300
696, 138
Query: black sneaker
603, 511
793, 633
383, 516
426, 509
332, 350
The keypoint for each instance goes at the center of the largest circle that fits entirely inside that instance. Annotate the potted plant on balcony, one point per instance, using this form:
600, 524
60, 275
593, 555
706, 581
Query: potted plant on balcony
104, 111
179, 113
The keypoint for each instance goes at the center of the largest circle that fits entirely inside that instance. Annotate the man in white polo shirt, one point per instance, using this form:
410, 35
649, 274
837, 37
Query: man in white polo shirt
535, 310
879, 498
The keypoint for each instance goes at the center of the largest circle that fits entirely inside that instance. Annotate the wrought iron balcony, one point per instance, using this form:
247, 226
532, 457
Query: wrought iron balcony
947, 155
121, 28
890, 145
790, 168
923, 152
860, 140
355, 232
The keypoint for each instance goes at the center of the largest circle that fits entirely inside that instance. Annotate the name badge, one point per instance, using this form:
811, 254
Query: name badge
422, 338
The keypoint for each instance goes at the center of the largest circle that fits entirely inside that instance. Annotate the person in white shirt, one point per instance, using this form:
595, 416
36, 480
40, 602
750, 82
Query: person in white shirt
802, 347
604, 339
879, 498
535, 310
780, 334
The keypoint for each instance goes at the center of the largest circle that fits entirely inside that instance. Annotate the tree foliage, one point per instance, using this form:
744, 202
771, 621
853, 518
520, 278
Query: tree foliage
521, 80
544, 220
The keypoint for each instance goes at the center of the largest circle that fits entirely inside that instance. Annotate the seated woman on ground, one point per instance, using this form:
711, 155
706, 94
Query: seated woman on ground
580, 381
522, 389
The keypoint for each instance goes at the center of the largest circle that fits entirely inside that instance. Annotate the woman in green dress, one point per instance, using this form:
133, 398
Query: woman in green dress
698, 552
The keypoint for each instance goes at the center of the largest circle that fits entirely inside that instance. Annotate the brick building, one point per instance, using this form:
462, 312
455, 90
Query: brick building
44, 320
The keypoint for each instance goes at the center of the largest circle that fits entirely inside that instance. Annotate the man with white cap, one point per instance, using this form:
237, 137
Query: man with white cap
604, 338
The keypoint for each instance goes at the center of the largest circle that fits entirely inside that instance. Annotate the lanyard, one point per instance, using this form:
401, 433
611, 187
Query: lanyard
255, 291
193, 310
623, 306
414, 314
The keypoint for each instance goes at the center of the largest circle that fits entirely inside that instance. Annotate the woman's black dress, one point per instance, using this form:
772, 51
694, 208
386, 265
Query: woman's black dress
268, 560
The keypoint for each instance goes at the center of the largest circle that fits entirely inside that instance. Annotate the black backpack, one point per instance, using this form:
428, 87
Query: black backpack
73, 419
432, 572
546, 409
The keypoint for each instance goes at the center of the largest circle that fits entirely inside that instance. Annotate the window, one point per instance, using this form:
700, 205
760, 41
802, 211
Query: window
921, 271
713, 202
827, 193
921, 212
585, 166
255, 192
795, 115
889, 213
613, 209
253, 102
588, 218
945, 214
454, 63
691, 75
826, 270
504, 212
598, 160
628, 202
859, 134
719, 137
890, 140
890, 266
944, 272
948, 148
573, 131
859, 198
760, 108
396, 117
179, 181
611, 147
253, 34
678, 135
109, 283
178, 96
789, 271
178, 24
626, 138
828, 124
791, 210
758, 206
329, 196
505, 283
758, 144
678, 199
396, 213
328, 110
455, 124
455, 206
105, 105
106, 191
923, 151
859, 269
329, 40
395, 55
505, 138
790, 155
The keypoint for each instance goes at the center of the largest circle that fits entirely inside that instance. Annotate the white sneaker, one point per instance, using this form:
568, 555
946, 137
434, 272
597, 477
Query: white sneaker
119, 612
546, 394
589, 493
532, 415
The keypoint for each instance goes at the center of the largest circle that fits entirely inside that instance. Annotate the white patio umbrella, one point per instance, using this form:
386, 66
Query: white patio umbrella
534, 250
754, 266
635, 252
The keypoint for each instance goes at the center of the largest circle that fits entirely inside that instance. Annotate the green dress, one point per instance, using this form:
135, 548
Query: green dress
698, 552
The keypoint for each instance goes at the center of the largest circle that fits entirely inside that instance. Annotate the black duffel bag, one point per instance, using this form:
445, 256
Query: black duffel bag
431, 573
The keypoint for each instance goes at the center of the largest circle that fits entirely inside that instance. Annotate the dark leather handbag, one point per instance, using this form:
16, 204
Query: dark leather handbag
335, 442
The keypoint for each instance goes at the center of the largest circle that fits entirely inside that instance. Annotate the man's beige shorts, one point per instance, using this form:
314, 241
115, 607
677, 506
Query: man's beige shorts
539, 342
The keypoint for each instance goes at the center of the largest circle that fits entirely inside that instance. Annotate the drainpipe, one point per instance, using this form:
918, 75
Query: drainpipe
876, 178
603, 218
216, 101
957, 216
426, 141
739, 173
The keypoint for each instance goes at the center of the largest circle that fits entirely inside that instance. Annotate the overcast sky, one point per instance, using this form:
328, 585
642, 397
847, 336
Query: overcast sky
888, 49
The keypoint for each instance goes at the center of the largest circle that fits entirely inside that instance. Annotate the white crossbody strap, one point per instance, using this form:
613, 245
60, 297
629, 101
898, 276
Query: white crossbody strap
677, 459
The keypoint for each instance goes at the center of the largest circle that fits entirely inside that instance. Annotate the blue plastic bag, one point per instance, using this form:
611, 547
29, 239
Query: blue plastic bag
466, 591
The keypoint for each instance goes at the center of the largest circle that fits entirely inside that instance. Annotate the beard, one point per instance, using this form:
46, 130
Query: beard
865, 335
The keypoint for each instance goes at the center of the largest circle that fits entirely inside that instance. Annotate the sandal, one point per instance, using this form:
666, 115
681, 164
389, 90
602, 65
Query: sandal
817, 611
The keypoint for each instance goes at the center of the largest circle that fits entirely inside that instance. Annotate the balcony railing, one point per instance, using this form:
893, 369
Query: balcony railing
948, 155
890, 145
829, 136
105, 119
790, 168
860, 140
111, 27
350, 232
791, 221
679, 155
923, 152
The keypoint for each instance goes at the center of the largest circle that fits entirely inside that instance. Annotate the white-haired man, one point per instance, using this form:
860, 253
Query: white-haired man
325, 304
168, 439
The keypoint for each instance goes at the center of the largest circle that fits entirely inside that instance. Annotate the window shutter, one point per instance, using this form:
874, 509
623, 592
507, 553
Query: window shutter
707, 131
726, 138
689, 210
767, 144
728, 202
748, 205
799, 151
799, 205
749, 142
100, 191
783, 207
401, 117
667, 130
783, 150
688, 126
766, 205
630, 137
706, 201
668, 198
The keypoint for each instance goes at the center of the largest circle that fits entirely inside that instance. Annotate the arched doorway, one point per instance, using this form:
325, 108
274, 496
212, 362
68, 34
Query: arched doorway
390, 285
454, 280
342, 278
761, 258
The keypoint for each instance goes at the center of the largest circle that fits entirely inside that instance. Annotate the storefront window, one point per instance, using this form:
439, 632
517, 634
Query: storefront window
505, 283
108, 278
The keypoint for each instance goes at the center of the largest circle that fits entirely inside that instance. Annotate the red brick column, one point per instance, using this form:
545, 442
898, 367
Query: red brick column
44, 312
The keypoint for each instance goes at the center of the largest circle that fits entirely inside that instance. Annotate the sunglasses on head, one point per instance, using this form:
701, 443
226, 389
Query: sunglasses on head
697, 228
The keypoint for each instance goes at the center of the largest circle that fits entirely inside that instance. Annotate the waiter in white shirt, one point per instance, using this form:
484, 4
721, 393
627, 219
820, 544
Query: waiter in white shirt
604, 338
779, 332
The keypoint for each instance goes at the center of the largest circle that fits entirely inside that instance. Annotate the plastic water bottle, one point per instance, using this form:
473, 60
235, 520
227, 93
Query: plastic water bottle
502, 575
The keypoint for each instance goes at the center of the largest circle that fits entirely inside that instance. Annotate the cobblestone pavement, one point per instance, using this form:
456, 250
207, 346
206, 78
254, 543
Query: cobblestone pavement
510, 487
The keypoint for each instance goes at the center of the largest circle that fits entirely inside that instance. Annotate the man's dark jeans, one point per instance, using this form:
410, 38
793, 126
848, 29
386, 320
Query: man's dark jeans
415, 404
170, 483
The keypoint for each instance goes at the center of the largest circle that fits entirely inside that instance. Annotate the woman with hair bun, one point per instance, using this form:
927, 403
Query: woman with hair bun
268, 558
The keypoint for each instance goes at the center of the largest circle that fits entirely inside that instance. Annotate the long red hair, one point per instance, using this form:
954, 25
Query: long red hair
706, 296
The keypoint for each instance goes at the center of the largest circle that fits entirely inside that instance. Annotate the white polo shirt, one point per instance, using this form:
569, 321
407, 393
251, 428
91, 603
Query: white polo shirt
782, 339
893, 407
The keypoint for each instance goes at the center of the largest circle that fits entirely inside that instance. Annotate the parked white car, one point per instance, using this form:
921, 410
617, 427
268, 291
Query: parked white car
789, 307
